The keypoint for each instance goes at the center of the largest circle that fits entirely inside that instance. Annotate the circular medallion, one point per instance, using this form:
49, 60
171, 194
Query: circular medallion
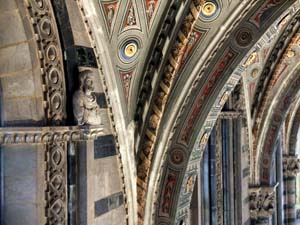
129, 50
39, 5
54, 77
177, 157
244, 37
51, 52
210, 10
56, 102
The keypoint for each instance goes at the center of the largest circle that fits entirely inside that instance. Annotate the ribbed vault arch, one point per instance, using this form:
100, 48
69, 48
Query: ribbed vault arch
273, 120
190, 115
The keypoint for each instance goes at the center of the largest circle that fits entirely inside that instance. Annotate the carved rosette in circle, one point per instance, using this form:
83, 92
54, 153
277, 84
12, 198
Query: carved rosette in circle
38, 5
210, 10
177, 157
56, 102
54, 76
244, 37
51, 53
46, 29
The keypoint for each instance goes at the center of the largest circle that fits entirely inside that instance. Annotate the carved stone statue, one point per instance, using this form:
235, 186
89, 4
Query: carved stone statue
85, 107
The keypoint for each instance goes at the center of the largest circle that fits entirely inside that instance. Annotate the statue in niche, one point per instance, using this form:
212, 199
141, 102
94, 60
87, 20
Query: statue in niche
85, 107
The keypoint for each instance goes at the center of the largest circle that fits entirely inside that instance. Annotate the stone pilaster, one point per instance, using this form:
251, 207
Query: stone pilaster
291, 167
262, 201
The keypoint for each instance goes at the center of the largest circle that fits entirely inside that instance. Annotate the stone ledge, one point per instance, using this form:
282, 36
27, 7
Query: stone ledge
21, 135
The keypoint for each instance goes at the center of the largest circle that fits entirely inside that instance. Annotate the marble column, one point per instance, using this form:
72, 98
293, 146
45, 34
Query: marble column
291, 167
262, 201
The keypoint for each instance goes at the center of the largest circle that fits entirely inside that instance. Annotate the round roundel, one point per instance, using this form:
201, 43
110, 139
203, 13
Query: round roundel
210, 10
244, 37
177, 156
129, 50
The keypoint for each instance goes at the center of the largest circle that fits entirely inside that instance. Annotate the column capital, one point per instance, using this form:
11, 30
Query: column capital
262, 201
290, 165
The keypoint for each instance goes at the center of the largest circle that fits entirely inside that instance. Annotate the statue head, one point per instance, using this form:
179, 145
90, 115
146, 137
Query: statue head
86, 81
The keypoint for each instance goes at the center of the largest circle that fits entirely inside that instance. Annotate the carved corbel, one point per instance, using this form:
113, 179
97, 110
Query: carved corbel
262, 202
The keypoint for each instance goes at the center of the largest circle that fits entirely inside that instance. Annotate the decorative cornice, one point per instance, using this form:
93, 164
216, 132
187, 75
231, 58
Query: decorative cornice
34, 135
262, 202
291, 166
51, 60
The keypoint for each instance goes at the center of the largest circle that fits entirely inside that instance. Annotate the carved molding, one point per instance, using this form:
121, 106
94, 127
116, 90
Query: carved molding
290, 166
51, 59
48, 134
262, 202
56, 179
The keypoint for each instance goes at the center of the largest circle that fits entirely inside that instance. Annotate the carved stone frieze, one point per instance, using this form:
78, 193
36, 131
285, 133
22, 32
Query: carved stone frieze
51, 59
291, 166
48, 134
262, 202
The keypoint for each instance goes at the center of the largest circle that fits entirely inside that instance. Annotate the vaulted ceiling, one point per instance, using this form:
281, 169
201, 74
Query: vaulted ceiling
172, 66
167, 68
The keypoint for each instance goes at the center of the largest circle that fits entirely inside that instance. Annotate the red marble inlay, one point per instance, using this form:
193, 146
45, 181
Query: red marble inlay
110, 9
220, 68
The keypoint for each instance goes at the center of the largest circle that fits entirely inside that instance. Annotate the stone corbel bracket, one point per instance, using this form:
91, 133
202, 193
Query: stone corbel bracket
291, 166
33, 135
262, 201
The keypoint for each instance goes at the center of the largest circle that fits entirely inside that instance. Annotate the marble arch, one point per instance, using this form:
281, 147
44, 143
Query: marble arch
163, 70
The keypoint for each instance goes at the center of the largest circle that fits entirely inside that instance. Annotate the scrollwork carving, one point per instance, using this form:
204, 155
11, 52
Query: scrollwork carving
51, 60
